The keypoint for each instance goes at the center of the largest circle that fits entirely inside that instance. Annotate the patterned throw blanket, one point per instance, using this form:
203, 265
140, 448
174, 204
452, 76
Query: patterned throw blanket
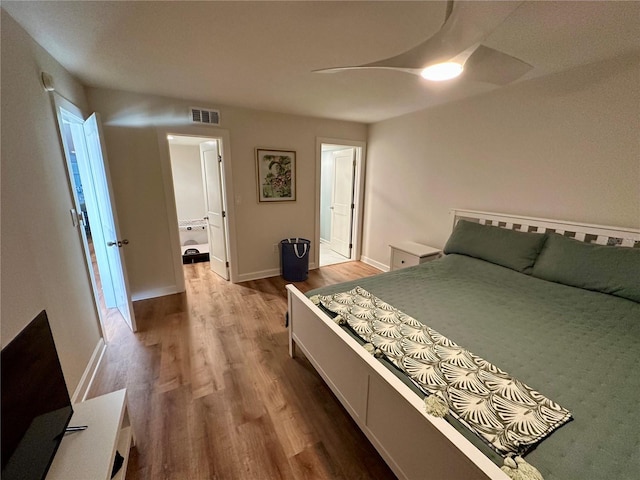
508, 415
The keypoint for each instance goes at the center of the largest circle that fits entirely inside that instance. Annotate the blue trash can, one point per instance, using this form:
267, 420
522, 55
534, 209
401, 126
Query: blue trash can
294, 259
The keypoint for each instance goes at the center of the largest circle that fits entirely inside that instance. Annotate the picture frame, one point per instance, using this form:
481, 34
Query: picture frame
276, 170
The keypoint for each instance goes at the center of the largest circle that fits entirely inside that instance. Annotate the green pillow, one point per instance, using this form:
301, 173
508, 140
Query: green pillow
508, 248
607, 269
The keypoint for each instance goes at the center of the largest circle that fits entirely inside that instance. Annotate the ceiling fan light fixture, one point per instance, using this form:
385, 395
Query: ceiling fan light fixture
442, 71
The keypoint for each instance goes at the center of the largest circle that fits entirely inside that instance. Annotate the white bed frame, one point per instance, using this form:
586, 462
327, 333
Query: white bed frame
414, 444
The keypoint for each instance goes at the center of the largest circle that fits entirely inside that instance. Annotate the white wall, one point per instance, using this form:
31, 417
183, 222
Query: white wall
188, 187
564, 146
42, 261
187, 181
130, 121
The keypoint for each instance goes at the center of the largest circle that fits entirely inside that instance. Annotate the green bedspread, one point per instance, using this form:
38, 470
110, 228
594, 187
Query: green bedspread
578, 347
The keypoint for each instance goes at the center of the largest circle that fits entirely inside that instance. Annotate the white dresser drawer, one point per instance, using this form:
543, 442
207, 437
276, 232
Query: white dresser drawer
403, 260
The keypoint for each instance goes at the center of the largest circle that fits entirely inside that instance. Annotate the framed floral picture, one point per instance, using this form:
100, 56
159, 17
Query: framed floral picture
276, 175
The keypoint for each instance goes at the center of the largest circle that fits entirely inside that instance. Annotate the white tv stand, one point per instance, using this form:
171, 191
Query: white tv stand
90, 453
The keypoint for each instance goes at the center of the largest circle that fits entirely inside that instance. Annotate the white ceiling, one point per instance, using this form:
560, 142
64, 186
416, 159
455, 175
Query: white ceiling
261, 54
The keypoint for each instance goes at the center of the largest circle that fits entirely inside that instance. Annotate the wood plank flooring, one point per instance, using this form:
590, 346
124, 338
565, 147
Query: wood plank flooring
213, 393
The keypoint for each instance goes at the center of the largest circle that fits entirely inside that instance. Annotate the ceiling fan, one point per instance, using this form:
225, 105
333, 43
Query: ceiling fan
457, 47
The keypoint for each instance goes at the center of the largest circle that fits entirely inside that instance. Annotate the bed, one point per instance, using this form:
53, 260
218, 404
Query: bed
562, 329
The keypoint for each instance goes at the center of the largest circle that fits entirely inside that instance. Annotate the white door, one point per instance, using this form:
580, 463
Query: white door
100, 249
97, 161
214, 206
342, 201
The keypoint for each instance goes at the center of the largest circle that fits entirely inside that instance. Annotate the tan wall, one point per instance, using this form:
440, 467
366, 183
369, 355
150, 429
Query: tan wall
130, 121
565, 146
42, 261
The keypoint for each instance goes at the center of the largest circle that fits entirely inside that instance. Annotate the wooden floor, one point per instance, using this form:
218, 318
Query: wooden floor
213, 393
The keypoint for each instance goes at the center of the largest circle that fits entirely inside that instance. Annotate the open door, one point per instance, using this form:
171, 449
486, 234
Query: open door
215, 208
342, 201
78, 146
106, 218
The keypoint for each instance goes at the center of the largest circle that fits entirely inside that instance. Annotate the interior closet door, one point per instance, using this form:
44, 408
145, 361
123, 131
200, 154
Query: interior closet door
214, 204
342, 201
97, 160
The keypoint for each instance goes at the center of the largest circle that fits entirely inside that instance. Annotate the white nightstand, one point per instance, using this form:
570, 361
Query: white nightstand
408, 254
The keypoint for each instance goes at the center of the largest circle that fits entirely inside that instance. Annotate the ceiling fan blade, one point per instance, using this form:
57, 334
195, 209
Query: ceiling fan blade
481, 64
468, 23
492, 66
415, 71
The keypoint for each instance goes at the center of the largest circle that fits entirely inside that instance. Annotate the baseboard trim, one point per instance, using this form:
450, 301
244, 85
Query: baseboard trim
89, 374
272, 272
247, 277
156, 292
373, 263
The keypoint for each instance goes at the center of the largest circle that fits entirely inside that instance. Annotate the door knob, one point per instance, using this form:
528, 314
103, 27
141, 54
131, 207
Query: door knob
118, 243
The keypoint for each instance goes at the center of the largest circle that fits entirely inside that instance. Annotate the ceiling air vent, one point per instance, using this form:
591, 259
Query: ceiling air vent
205, 116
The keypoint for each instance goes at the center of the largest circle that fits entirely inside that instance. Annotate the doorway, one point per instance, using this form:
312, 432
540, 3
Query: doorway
340, 198
94, 214
197, 173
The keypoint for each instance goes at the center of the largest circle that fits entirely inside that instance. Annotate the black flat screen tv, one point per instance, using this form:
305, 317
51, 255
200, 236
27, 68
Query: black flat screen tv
36, 407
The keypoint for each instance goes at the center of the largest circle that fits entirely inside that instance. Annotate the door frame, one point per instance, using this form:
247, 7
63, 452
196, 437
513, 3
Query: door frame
358, 193
172, 215
58, 103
